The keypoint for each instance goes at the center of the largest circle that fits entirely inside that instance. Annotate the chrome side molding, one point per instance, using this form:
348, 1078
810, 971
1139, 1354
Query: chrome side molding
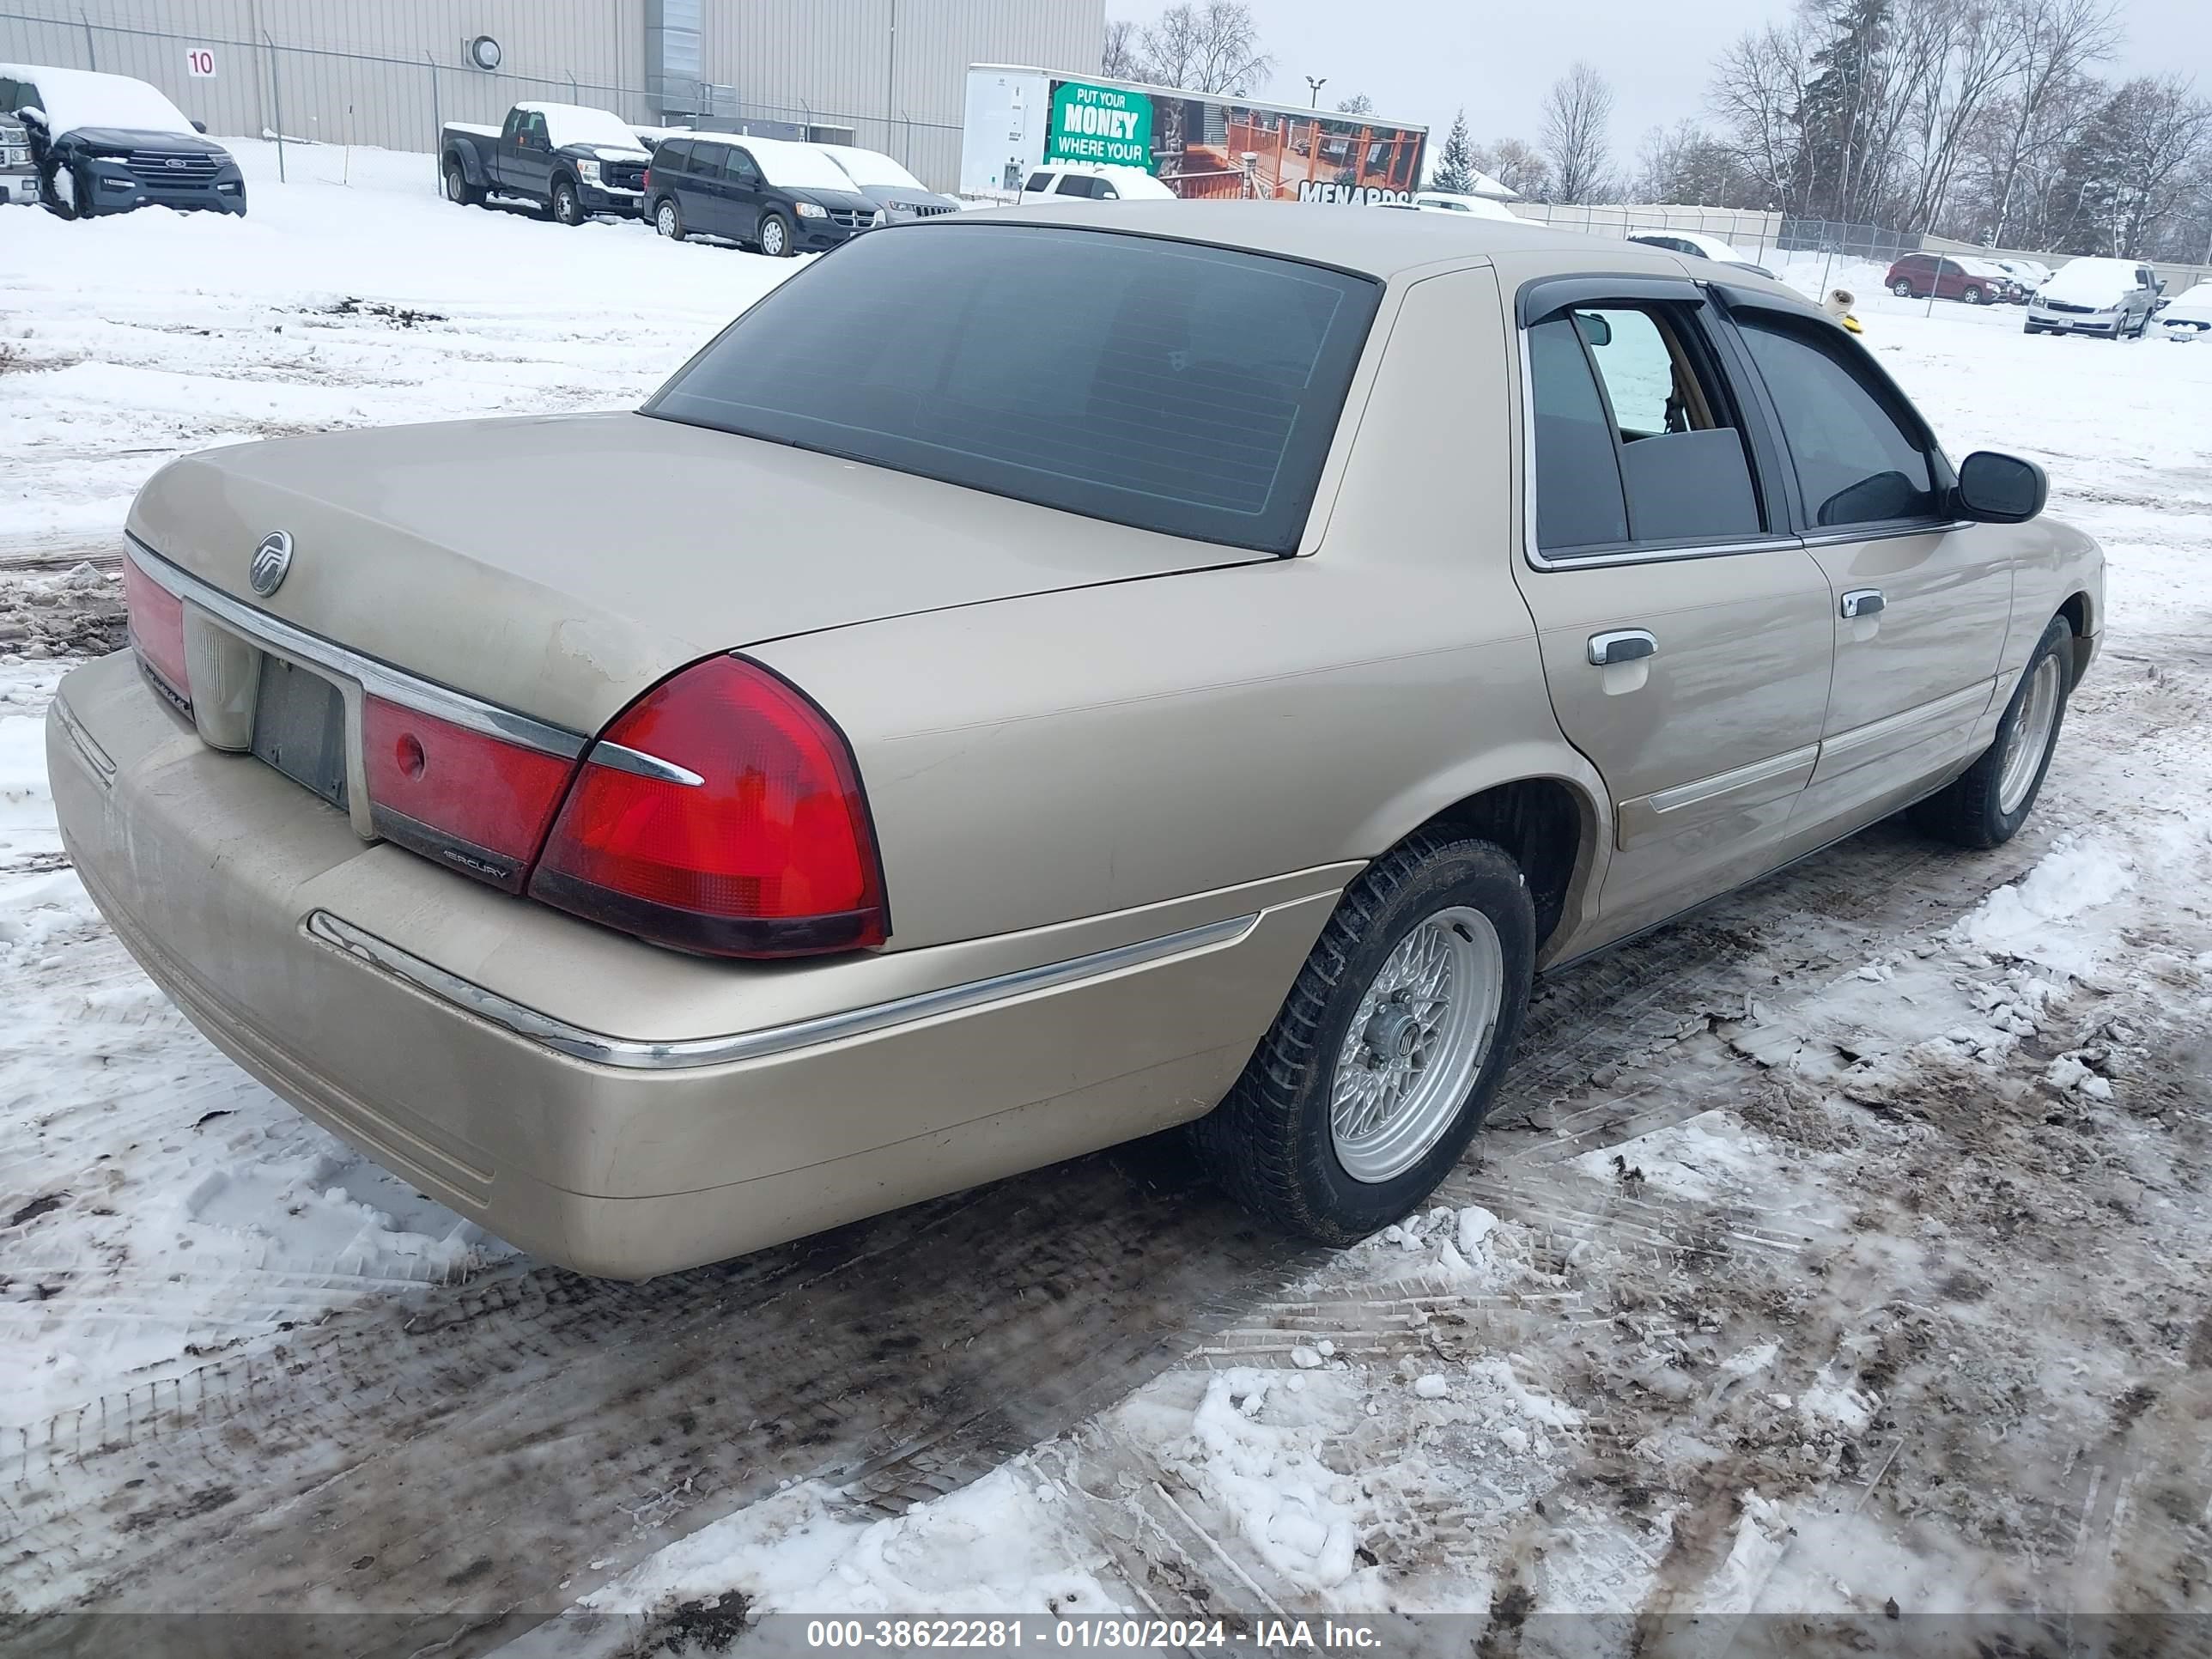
629, 1054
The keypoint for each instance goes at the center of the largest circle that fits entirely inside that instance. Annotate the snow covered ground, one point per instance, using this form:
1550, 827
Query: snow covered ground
1845, 1248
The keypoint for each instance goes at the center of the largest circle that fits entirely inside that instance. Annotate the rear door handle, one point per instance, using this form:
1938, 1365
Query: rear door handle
1627, 645
1864, 602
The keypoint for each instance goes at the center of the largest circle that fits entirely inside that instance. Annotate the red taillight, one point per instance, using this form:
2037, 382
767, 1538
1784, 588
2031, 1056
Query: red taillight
157, 630
769, 854
464, 798
645, 183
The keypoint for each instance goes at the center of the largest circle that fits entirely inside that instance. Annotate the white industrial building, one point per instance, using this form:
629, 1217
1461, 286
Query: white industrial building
890, 73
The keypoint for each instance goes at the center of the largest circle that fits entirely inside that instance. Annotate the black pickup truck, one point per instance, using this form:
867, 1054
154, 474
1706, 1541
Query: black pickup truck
570, 159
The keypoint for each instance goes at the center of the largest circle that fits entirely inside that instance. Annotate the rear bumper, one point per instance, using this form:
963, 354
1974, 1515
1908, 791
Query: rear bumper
221, 877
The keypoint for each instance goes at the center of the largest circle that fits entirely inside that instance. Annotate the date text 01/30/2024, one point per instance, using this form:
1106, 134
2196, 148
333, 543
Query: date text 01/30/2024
1009, 1633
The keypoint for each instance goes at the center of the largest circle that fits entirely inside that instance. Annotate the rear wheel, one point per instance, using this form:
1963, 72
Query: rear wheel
1990, 801
775, 236
459, 190
667, 220
1382, 1064
567, 205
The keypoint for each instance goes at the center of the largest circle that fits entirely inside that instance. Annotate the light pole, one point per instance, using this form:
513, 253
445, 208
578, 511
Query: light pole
1314, 87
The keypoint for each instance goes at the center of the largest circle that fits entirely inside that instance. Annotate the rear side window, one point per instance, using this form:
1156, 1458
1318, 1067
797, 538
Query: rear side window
1163, 385
1077, 183
673, 156
1858, 457
1636, 441
1039, 181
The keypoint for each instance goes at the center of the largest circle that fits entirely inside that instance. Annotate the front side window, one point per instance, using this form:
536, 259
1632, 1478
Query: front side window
738, 166
1858, 460
1162, 385
1634, 440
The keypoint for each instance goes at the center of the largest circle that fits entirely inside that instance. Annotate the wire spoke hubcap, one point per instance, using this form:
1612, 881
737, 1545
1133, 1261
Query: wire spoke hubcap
1416, 1041
2029, 737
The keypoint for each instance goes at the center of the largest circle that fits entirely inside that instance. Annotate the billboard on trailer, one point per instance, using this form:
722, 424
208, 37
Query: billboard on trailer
1197, 144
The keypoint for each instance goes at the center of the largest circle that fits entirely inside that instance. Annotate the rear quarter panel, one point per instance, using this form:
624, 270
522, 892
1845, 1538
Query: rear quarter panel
1047, 758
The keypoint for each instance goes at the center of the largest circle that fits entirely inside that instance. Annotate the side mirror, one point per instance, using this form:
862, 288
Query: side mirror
32, 116
200, 127
2161, 285
1996, 488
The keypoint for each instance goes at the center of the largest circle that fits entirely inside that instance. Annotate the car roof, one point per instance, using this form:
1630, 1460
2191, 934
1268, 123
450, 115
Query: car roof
1348, 237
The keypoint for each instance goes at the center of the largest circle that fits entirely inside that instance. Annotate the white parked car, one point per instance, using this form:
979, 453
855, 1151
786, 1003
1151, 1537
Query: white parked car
1062, 181
1698, 245
2029, 274
19, 179
1479, 207
2190, 314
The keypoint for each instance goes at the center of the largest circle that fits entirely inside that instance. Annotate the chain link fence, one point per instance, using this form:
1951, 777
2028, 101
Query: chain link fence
242, 82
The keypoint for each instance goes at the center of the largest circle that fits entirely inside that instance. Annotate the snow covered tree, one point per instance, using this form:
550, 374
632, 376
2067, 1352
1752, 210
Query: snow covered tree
1455, 169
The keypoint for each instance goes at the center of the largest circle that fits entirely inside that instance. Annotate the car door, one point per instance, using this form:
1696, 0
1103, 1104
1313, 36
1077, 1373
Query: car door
744, 193
1684, 632
699, 194
532, 163
1920, 602
2145, 298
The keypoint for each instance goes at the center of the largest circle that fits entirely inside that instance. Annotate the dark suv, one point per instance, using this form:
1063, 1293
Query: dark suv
107, 143
1919, 275
767, 194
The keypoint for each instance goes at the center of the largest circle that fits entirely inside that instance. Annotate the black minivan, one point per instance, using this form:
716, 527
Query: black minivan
769, 194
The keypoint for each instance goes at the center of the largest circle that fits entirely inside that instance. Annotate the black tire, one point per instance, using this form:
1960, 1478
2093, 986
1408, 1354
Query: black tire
1269, 1143
1902, 288
668, 219
2030, 328
566, 207
459, 190
774, 238
1972, 297
1969, 811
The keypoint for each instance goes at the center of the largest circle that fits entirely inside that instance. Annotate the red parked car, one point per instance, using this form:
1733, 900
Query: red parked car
1974, 281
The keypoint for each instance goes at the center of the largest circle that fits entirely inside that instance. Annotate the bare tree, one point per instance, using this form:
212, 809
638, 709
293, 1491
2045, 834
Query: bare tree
1359, 103
1205, 45
2059, 41
1758, 89
1687, 164
1517, 166
1122, 59
1577, 110
1970, 50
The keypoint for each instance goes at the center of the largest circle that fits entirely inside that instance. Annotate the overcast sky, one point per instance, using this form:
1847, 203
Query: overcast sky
1421, 59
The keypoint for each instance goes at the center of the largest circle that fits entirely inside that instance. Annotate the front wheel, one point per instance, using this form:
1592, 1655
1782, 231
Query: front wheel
1972, 297
776, 237
1902, 289
68, 194
1988, 803
1382, 1064
568, 206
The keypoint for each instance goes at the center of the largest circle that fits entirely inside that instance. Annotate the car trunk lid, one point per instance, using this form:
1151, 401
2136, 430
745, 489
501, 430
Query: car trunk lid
558, 566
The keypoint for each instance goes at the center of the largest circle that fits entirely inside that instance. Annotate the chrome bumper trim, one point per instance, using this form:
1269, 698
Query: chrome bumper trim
378, 678
630, 1054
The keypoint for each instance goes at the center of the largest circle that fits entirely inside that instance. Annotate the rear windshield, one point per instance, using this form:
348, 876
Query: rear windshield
1169, 386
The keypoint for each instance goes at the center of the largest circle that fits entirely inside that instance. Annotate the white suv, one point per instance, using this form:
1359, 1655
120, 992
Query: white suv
1067, 181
